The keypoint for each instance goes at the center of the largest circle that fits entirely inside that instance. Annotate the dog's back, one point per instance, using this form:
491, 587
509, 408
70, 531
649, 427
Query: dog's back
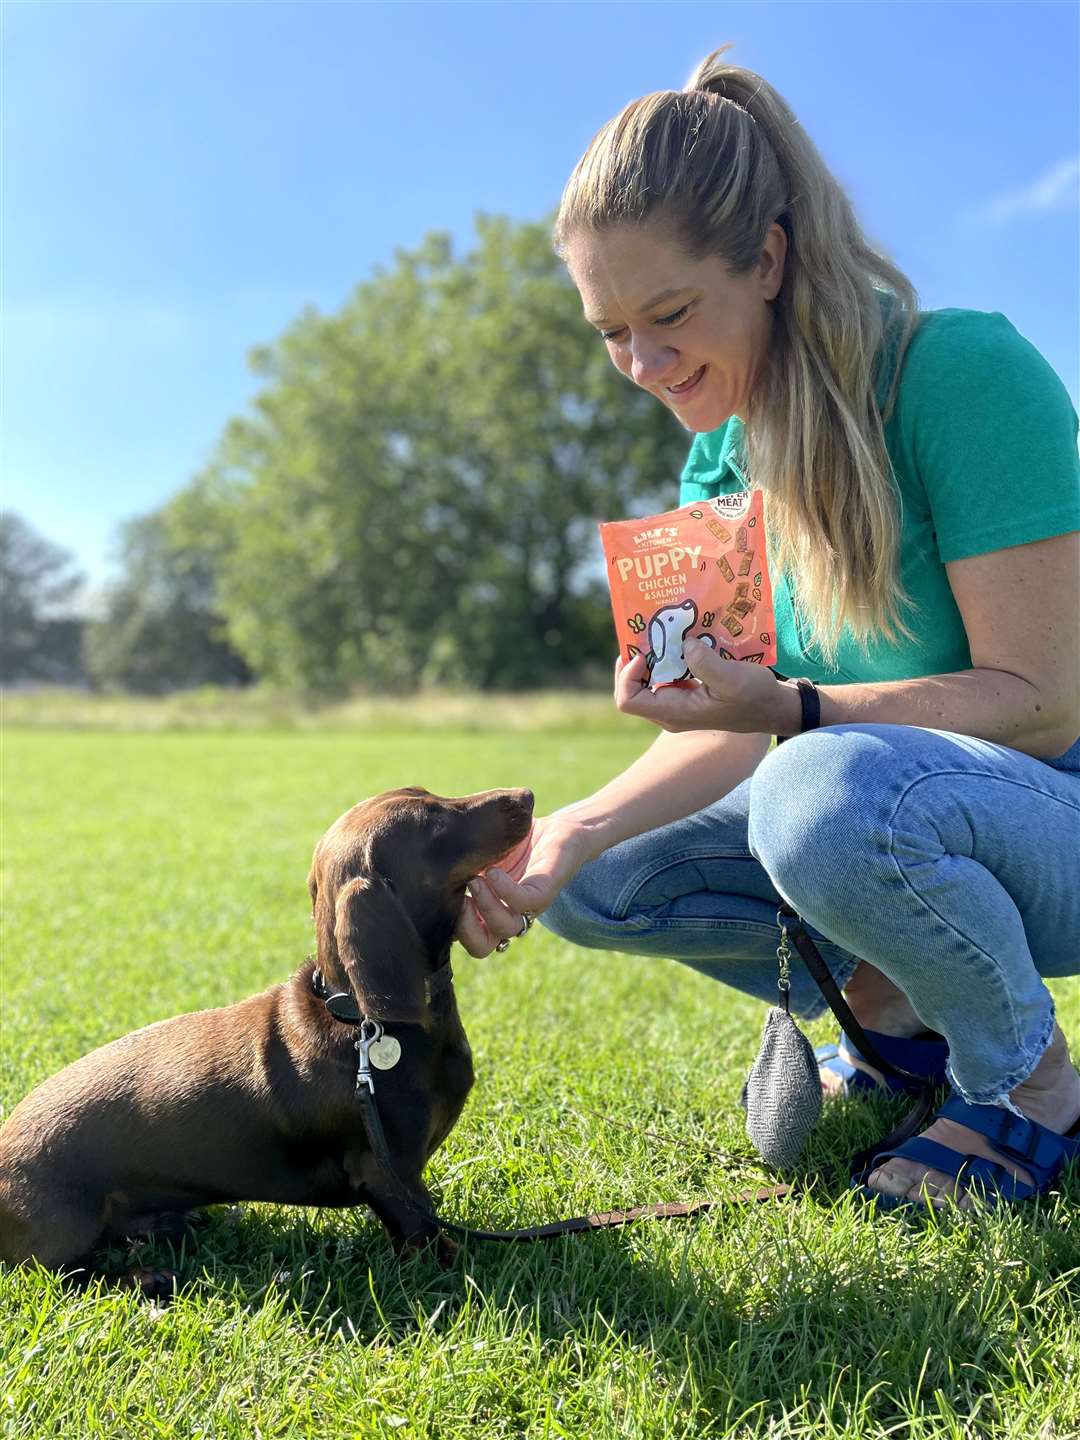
189, 1111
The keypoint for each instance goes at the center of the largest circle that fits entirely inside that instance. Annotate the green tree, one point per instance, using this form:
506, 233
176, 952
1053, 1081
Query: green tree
415, 493
160, 630
39, 638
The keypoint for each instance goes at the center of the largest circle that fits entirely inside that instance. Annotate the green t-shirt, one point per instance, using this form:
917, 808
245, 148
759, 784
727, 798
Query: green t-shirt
982, 441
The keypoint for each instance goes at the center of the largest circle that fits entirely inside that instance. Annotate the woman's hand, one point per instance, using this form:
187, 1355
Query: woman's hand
526, 881
730, 695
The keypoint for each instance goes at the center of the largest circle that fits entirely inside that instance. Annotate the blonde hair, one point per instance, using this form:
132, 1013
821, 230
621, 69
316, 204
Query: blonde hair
715, 165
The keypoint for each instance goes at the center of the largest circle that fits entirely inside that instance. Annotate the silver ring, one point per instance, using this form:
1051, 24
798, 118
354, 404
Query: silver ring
527, 922
503, 946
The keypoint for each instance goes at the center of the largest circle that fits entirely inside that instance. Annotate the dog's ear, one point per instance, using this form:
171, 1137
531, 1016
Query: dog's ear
322, 914
380, 951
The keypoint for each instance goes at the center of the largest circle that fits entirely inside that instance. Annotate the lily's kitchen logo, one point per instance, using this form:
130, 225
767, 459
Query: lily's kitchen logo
660, 535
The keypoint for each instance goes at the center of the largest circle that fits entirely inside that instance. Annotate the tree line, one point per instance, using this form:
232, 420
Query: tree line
411, 498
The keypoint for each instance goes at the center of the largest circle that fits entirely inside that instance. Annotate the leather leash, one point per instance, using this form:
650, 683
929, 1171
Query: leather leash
344, 1008
600, 1220
792, 925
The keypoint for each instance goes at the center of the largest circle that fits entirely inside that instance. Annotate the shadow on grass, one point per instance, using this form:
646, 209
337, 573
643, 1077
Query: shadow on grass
811, 1305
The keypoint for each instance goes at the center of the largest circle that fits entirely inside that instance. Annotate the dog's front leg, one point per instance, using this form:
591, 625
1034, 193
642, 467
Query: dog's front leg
409, 1223
408, 1227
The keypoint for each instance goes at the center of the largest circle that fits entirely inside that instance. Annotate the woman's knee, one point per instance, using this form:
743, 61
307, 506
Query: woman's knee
580, 912
818, 807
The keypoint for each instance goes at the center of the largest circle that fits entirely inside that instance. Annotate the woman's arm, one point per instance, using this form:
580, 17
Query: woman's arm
1021, 612
1022, 617
677, 775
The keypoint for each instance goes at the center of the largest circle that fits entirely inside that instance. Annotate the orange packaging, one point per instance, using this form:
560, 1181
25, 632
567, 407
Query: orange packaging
698, 571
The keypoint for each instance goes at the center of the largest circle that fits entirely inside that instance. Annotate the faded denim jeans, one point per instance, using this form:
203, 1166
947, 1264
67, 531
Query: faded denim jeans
950, 864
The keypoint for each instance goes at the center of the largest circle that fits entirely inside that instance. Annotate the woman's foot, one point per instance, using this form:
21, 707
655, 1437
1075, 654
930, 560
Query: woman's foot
879, 1005
1050, 1096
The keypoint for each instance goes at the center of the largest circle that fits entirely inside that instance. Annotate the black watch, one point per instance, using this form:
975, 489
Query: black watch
811, 705
810, 701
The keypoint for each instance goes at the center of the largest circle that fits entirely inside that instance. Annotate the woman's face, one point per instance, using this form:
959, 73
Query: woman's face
686, 330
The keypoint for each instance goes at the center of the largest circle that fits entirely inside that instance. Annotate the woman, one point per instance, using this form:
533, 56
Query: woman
920, 481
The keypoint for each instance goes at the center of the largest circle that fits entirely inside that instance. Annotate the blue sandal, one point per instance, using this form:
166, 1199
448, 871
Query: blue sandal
1041, 1152
925, 1058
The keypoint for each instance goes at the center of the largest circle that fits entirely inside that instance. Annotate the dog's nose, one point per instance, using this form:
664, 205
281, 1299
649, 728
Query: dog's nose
514, 803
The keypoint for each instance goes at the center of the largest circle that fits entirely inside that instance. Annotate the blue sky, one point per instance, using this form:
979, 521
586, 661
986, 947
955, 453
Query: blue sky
180, 178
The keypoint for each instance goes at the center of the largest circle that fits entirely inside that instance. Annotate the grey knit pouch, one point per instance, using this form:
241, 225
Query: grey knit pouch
782, 1094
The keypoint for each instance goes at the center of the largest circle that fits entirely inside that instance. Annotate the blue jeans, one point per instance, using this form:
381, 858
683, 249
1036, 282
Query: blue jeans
950, 864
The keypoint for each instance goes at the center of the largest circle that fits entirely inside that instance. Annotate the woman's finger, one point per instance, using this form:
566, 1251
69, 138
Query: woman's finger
501, 923
531, 895
630, 682
705, 665
472, 934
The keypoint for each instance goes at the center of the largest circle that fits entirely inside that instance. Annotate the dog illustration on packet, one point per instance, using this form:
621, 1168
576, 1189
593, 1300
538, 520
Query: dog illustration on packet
699, 570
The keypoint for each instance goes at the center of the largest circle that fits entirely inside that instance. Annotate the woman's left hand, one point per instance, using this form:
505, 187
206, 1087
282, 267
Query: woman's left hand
730, 695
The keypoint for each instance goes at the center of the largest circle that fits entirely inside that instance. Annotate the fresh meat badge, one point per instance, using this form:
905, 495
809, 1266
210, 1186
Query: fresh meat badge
697, 571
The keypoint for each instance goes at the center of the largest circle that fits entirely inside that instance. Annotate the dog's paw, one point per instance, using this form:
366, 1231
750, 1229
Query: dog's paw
156, 1285
446, 1252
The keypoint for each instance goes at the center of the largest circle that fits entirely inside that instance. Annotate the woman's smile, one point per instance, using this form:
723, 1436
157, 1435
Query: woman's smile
688, 385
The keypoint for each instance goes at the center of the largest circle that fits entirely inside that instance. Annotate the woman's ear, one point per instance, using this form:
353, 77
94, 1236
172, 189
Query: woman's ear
772, 262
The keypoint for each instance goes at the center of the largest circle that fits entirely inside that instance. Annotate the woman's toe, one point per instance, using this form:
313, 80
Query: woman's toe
933, 1187
893, 1178
831, 1084
904, 1180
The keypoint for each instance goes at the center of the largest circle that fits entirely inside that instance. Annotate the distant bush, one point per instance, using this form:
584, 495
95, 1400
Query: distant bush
39, 640
160, 631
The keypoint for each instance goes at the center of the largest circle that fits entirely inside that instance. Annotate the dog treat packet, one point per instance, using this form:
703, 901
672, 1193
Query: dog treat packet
699, 572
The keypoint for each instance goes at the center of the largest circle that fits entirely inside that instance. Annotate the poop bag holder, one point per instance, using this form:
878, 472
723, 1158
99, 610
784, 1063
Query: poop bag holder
782, 1093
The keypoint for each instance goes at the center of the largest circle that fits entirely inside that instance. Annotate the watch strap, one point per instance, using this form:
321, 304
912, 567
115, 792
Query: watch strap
809, 702
811, 705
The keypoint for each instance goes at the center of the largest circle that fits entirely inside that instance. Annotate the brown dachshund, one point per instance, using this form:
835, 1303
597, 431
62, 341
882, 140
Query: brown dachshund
257, 1101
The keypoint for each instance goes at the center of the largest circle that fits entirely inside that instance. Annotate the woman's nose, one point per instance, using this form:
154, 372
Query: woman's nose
650, 362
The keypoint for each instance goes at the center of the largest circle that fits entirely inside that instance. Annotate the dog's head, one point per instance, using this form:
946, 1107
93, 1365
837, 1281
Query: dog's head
387, 883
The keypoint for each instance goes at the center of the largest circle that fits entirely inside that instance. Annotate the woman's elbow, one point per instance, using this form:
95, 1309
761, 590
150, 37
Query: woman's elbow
1058, 731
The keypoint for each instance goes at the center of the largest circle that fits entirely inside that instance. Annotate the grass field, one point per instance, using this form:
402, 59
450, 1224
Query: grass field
159, 870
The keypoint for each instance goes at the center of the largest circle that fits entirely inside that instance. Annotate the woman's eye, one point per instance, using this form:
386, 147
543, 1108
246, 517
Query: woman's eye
672, 319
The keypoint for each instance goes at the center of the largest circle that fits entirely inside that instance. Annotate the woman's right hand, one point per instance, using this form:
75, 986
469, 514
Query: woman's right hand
525, 881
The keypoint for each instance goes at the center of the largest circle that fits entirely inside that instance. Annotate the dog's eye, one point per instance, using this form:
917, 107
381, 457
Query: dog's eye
385, 880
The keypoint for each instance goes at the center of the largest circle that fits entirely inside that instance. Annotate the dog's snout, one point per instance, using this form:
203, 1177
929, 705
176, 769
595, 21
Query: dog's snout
517, 800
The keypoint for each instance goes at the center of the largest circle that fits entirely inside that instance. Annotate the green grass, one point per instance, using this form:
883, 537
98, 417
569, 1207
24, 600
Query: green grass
149, 873
260, 707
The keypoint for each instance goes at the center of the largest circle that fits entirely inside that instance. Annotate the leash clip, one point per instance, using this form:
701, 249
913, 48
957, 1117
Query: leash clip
370, 1032
783, 956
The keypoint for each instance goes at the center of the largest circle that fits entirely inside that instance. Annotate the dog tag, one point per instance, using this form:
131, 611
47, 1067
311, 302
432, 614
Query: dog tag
385, 1053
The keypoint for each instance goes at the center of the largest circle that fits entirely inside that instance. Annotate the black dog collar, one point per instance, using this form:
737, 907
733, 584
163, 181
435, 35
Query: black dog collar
342, 1005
